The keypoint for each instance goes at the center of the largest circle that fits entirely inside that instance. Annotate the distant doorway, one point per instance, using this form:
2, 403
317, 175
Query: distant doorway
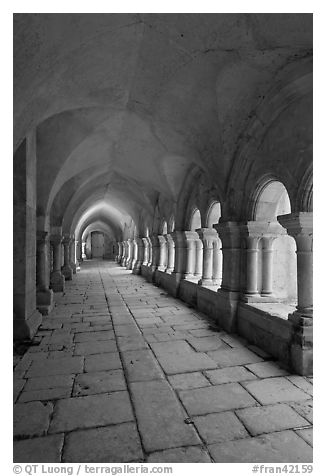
97, 245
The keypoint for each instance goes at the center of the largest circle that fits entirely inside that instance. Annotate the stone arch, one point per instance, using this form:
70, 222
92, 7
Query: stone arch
213, 213
195, 219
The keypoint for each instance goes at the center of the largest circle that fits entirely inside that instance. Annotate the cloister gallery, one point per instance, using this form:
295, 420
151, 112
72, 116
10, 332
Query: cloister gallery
178, 147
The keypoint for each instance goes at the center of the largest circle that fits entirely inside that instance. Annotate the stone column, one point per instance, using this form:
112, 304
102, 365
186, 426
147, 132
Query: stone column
217, 262
199, 259
73, 255
155, 252
190, 238
119, 255
57, 279
125, 253
162, 253
130, 254
44, 295
208, 236
134, 247
146, 251
140, 256
252, 265
66, 268
299, 225
267, 265
171, 253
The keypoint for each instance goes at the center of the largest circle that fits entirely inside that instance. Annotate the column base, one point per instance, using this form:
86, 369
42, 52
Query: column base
57, 282
44, 301
137, 268
258, 298
162, 268
27, 328
206, 283
67, 272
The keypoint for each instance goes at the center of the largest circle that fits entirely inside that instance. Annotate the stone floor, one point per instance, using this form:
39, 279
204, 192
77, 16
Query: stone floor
122, 372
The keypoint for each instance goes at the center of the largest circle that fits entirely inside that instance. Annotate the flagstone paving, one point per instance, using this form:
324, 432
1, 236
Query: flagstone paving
122, 372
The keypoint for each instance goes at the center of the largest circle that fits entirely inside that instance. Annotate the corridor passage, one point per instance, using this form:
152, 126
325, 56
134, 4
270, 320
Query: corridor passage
122, 372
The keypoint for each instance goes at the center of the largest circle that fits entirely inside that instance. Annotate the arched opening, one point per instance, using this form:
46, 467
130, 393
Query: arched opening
195, 221
276, 249
214, 214
164, 228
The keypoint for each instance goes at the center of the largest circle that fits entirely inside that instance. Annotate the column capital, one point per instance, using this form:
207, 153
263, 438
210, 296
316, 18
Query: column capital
299, 223
206, 233
261, 228
161, 239
66, 239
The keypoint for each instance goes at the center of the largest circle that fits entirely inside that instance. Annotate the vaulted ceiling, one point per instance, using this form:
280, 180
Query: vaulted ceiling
125, 104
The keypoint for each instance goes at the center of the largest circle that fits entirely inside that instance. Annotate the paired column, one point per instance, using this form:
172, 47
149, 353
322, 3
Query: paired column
146, 251
125, 253
155, 252
73, 255
44, 295
130, 255
208, 237
57, 279
190, 238
229, 233
66, 268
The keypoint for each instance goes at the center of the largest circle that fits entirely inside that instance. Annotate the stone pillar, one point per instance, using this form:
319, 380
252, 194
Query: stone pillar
26, 317
267, 265
73, 255
44, 295
57, 279
66, 268
162, 253
252, 265
190, 238
217, 262
140, 256
171, 253
155, 252
299, 225
208, 236
199, 259
125, 253
130, 254
146, 251
119, 255
84, 250
134, 247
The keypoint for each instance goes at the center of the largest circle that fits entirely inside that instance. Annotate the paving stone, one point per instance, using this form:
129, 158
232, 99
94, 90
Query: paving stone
306, 434
204, 344
88, 348
234, 340
229, 374
280, 447
140, 365
94, 336
99, 382
68, 365
218, 427
259, 352
178, 357
190, 454
304, 409
131, 343
275, 390
267, 369
18, 385
91, 411
126, 331
119, 443
31, 419
202, 332
213, 399
160, 417
233, 357
302, 383
37, 383
270, 418
46, 449
98, 362
45, 394
189, 380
